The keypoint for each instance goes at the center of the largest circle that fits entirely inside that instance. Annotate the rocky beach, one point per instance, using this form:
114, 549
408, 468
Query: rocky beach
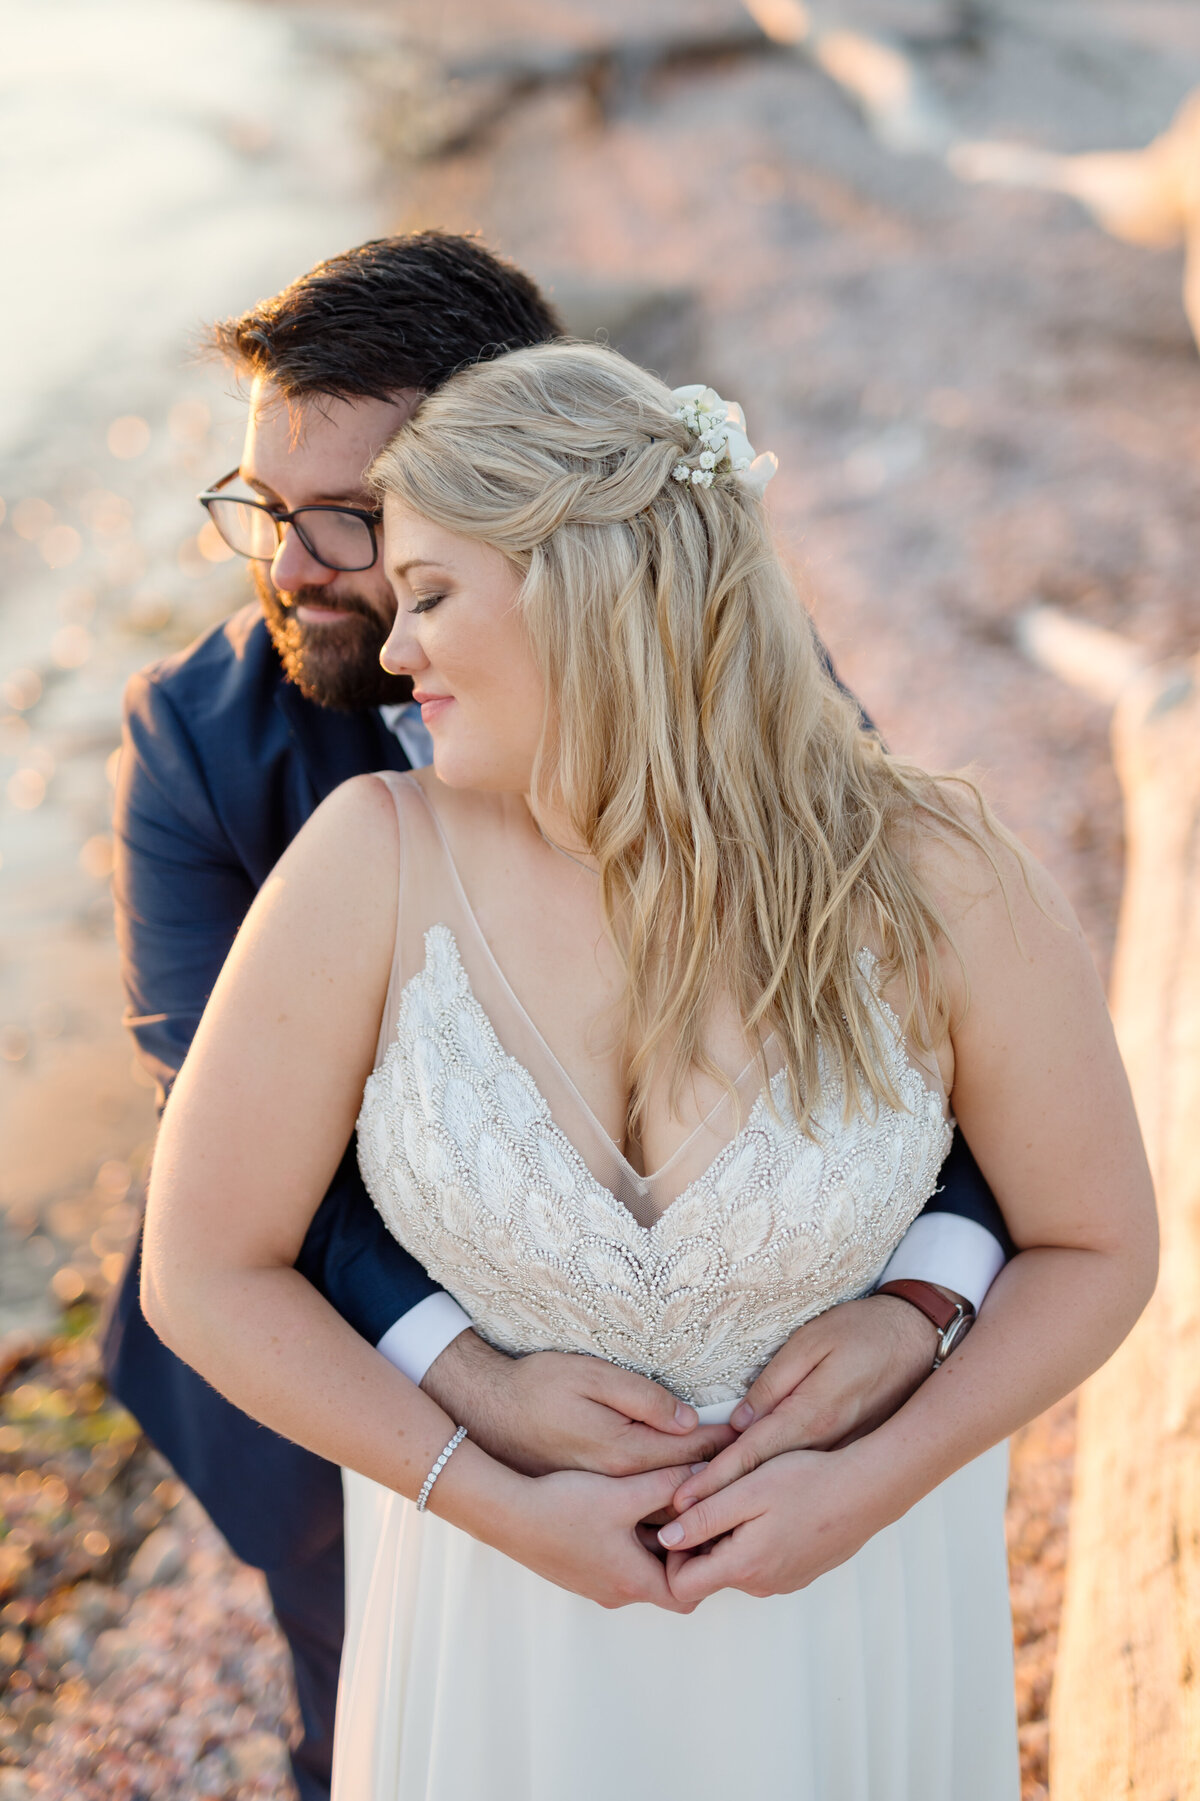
982, 401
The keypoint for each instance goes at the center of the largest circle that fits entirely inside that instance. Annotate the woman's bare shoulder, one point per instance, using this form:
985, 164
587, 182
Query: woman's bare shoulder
358, 818
340, 873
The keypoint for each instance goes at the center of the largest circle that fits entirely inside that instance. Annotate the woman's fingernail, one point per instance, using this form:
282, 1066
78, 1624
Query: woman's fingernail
742, 1416
686, 1417
672, 1534
697, 1467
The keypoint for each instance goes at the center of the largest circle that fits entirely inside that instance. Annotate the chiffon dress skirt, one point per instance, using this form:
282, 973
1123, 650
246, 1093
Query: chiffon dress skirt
466, 1676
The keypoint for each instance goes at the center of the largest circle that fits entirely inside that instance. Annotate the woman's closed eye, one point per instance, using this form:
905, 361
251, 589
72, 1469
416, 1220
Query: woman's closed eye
423, 603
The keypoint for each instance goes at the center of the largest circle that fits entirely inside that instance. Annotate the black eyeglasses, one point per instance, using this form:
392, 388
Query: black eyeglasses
336, 537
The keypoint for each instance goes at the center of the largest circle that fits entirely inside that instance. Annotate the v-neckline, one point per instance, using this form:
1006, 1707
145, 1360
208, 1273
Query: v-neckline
642, 1184
602, 1189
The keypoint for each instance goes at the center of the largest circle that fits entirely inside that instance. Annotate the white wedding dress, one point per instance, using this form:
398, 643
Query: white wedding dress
467, 1678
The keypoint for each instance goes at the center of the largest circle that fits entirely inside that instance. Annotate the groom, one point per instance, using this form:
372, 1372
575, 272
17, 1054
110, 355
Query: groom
229, 746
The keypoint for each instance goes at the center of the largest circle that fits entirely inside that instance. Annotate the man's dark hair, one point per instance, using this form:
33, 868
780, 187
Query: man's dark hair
395, 313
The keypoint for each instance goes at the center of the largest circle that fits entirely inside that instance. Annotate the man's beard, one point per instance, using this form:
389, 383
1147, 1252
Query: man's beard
336, 665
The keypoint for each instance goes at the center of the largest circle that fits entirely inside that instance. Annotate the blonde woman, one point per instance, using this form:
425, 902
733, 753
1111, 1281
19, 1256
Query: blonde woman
661, 986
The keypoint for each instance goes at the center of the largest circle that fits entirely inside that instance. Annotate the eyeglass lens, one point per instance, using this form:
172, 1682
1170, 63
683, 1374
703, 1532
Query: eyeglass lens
339, 540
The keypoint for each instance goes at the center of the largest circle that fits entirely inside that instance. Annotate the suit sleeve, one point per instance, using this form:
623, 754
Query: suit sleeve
181, 895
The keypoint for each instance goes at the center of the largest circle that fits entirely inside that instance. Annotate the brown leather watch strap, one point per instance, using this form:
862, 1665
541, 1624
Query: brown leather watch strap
926, 1298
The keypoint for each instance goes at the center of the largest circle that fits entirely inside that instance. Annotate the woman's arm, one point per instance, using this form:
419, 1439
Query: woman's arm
257, 1121
1040, 1091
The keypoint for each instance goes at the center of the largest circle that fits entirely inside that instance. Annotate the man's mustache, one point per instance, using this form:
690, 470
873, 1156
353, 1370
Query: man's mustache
289, 600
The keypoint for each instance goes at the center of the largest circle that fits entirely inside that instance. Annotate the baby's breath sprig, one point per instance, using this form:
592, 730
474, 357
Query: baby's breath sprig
719, 443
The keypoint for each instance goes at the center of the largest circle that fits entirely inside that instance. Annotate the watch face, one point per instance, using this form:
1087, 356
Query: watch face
956, 1330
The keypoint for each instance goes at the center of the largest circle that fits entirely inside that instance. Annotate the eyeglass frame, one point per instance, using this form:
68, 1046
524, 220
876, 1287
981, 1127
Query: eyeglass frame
280, 517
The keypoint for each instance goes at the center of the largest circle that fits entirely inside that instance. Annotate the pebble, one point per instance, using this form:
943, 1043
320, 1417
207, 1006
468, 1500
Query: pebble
256, 1755
161, 1559
98, 1605
213, 1777
15, 1563
112, 1651
13, 1786
65, 1640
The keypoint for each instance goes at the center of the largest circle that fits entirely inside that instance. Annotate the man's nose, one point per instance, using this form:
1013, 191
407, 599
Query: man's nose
293, 567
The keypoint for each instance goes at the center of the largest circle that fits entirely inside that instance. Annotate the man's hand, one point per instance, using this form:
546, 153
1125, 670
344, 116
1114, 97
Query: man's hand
836, 1378
553, 1411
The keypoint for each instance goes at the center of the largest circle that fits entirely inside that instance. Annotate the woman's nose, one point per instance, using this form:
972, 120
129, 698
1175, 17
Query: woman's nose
402, 654
293, 567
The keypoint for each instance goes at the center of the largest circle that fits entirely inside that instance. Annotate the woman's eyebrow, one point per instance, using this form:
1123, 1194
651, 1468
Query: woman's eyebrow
415, 563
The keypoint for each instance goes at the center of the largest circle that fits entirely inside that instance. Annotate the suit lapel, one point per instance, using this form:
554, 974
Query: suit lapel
335, 746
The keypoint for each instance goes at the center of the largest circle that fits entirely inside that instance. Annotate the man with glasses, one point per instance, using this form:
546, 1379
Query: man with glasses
228, 749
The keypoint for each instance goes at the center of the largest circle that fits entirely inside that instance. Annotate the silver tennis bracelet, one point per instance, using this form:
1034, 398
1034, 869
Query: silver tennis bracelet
439, 1466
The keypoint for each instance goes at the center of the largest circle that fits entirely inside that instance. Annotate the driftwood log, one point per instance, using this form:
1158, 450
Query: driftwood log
1125, 1719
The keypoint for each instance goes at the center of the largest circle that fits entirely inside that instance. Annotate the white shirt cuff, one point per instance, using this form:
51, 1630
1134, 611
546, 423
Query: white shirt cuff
947, 1249
422, 1334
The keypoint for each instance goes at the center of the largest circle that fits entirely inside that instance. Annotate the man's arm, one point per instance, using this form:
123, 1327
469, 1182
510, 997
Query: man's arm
959, 1240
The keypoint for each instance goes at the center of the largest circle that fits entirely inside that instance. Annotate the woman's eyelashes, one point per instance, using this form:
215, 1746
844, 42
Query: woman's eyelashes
423, 603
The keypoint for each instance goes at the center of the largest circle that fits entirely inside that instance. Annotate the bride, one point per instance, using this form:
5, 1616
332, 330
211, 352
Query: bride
652, 1000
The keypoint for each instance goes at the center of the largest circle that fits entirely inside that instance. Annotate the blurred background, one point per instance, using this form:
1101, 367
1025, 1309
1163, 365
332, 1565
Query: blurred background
936, 248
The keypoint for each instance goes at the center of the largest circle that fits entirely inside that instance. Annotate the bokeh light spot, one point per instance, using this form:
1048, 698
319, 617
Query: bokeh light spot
109, 515
69, 1286
31, 518
60, 545
128, 437
211, 544
22, 689
71, 646
114, 1177
96, 857
27, 789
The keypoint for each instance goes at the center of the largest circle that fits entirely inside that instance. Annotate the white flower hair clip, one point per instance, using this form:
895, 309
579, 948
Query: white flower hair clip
721, 447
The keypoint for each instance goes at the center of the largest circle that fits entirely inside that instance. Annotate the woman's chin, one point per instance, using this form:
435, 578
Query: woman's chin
455, 770
458, 768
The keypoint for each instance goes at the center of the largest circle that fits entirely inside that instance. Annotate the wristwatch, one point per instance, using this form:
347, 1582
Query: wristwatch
953, 1318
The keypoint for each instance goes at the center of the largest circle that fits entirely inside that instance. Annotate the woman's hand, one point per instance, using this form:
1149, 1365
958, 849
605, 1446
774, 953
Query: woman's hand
777, 1529
836, 1378
585, 1533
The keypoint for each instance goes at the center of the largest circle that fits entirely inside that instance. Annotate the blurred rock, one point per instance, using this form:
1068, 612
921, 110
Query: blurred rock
97, 1605
66, 1640
258, 1755
14, 1565
160, 1560
13, 1786
213, 1776
113, 1650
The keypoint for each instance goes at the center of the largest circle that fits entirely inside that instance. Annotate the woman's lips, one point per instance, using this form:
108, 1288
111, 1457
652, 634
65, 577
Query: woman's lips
433, 706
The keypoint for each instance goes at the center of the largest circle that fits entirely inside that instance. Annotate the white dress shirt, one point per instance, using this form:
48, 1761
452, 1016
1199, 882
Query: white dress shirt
945, 1248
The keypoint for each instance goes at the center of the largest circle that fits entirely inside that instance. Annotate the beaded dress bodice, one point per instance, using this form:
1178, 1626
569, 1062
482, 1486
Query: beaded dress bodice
477, 1178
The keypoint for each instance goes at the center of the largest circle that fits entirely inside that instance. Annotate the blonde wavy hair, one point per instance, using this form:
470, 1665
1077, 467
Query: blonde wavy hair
749, 832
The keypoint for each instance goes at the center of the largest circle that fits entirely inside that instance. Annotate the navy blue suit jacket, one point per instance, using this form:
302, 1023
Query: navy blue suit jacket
222, 763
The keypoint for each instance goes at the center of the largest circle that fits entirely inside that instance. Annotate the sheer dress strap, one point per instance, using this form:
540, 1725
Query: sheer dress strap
411, 814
